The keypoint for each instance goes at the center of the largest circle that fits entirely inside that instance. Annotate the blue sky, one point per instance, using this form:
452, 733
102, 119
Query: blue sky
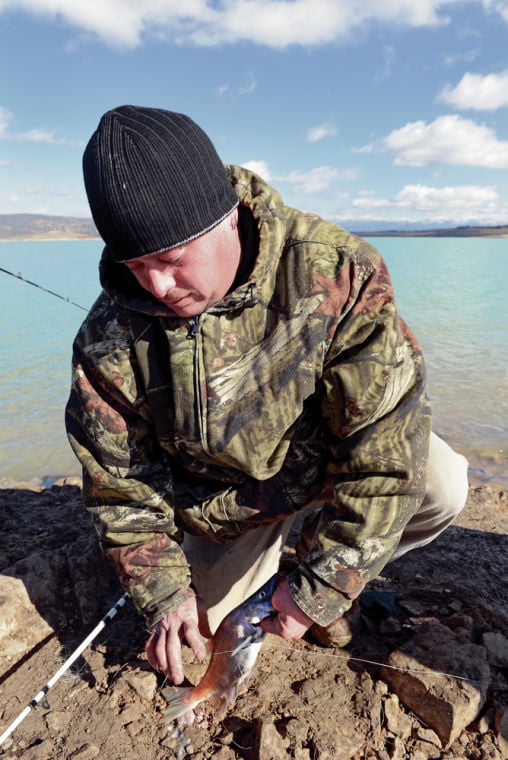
366, 112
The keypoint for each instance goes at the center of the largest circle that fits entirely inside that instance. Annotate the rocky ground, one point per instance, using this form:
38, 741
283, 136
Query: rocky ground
426, 676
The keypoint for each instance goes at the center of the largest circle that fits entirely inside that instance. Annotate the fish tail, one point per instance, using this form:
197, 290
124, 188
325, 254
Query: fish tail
181, 700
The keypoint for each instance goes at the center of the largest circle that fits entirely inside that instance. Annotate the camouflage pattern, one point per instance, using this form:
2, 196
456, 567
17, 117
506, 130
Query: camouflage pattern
302, 386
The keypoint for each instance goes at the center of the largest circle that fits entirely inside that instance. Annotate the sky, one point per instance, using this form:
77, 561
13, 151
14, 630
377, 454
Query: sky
371, 114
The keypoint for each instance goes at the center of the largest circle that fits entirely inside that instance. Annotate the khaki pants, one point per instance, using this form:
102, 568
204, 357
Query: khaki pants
226, 574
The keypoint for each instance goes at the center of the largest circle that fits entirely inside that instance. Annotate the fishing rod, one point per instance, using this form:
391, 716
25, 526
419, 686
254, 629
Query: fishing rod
19, 276
68, 662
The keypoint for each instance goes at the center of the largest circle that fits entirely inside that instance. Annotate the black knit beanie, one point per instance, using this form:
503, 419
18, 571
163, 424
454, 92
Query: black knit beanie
154, 181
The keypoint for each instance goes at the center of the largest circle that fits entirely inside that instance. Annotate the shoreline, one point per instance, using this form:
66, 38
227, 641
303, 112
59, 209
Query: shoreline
480, 474
487, 465
363, 234
48, 238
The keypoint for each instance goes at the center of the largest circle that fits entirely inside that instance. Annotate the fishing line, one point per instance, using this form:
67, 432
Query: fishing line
361, 659
19, 276
374, 662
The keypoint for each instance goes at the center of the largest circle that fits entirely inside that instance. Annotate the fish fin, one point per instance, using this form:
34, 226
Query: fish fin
180, 701
219, 706
244, 644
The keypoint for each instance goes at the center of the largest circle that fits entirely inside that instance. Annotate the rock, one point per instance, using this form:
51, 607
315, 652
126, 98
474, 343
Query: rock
271, 745
225, 753
131, 714
418, 674
21, 626
428, 735
302, 754
144, 683
397, 722
43, 575
424, 751
70, 480
35, 485
86, 752
485, 722
501, 729
296, 731
497, 649
57, 721
398, 749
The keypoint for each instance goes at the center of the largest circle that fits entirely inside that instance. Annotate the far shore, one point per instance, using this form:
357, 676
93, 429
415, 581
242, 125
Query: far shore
452, 232
486, 470
47, 237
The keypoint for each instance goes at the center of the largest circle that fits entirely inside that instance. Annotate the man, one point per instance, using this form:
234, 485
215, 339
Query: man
244, 362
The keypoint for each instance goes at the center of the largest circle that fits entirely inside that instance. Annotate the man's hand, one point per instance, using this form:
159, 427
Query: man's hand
291, 622
164, 647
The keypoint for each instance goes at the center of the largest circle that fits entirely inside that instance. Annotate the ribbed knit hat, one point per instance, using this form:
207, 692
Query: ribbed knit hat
154, 181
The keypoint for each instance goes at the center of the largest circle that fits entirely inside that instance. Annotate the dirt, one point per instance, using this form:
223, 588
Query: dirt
304, 702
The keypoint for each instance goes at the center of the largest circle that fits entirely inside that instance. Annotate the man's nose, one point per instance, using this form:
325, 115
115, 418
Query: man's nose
159, 283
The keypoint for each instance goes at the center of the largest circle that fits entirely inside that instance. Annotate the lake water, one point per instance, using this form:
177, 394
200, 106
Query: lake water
451, 291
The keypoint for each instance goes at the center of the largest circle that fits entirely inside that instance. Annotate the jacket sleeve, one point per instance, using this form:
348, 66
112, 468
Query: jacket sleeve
377, 425
127, 480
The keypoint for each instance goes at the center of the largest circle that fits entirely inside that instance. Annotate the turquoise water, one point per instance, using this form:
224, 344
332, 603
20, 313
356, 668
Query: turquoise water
452, 292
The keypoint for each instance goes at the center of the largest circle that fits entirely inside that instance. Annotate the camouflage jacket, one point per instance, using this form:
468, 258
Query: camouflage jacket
303, 385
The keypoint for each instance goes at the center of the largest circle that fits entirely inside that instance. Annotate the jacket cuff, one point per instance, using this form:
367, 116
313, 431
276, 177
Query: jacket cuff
159, 609
155, 573
322, 603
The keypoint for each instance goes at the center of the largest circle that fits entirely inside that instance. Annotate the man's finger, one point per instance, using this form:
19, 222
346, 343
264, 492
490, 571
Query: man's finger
271, 625
195, 641
173, 650
150, 651
159, 650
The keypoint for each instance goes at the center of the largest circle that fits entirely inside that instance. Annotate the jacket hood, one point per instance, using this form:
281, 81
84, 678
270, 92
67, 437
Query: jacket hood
270, 215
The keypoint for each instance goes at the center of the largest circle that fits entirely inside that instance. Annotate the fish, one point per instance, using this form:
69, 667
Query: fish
235, 647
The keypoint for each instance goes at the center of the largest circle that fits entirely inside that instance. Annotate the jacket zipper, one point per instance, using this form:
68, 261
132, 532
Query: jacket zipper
194, 329
194, 335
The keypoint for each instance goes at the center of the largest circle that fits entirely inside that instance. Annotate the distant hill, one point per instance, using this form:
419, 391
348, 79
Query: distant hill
41, 227
473, 231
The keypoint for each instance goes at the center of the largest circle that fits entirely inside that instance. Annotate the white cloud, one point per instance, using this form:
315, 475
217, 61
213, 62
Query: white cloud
304, 183
459, 203
497, 6
37, 135
327, 129
258, 167
5, 118
453, 58
318, 179
275, 23
449, 140
435, 199
388, 58
248, 86
478, 92
34, 135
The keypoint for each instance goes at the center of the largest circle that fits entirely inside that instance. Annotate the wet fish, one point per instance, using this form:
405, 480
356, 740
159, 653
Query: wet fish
235, 647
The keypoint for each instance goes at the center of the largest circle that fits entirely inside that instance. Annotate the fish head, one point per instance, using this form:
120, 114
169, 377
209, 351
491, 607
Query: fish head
259, 605
242, 624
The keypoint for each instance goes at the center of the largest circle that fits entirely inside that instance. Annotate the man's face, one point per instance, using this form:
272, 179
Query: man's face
191, 278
